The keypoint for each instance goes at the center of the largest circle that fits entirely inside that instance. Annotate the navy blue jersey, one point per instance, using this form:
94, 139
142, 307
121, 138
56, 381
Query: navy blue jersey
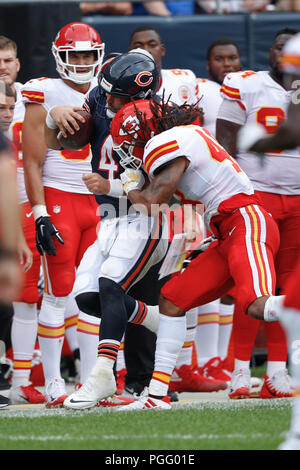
105, 161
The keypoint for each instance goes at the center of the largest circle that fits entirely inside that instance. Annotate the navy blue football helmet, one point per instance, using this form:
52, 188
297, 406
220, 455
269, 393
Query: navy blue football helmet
133, 74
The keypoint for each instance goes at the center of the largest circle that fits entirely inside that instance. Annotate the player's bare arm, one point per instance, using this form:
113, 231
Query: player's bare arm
226, 135
162, 187
96, 184
34, 152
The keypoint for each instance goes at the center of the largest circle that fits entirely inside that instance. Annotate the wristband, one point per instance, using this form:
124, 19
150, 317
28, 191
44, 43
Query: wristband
116, 188
50, 121
39, 210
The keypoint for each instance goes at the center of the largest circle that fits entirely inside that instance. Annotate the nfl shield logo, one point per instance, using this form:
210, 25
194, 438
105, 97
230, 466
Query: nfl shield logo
56, 209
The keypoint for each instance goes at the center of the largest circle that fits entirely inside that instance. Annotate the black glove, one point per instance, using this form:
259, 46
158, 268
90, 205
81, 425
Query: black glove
45, 230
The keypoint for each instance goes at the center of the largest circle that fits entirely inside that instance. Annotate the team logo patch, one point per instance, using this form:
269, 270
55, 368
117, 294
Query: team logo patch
131, 125
184, 93
56, 209
144, 78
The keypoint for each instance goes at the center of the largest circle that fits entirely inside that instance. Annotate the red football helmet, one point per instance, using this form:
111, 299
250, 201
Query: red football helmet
78, 37
129, 136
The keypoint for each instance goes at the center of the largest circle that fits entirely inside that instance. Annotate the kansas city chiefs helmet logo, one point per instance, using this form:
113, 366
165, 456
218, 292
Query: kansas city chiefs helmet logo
130, 125
144, 78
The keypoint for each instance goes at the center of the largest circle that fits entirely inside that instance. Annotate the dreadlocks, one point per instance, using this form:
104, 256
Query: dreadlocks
165, 116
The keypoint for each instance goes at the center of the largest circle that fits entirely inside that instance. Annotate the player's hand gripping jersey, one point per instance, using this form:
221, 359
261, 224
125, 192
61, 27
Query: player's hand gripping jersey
264, 101
212, 178
62, 169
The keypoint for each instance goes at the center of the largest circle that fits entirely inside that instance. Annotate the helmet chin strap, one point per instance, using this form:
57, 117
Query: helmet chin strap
109, 113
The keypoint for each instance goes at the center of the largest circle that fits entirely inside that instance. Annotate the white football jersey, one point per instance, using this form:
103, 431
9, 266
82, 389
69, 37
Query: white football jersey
264, 101
212, 176
210, 100
62, 169
14, 133
180, 85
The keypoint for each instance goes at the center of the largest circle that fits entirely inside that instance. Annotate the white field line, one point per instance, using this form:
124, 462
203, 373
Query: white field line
67, 437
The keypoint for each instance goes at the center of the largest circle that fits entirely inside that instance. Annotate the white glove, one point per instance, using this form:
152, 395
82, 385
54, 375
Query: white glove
248, 135
132, 179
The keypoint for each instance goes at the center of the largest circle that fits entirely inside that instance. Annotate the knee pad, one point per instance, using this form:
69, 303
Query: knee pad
114, 269
89, 303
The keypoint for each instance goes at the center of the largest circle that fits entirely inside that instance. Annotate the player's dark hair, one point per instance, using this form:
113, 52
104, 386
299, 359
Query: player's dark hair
221, 42
143, 28
165, 116
290, 31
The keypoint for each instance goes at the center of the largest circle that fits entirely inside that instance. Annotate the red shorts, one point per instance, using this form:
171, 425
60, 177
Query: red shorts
243, 257
30, 293
76, 217
285, 211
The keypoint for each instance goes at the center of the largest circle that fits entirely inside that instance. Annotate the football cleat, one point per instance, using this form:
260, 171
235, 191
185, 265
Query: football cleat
148, 403
114, 401
188, 379
240, 384
277, 386
4, 401
292, 442
101, 384
213, 369
121, 380
25, 395
55, 393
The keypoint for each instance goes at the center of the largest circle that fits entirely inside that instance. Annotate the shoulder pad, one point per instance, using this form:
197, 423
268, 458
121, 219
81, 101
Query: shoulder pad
238, 83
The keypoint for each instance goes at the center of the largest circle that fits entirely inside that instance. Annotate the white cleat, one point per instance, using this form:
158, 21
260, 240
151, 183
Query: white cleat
101, 384
291, 443
147, 403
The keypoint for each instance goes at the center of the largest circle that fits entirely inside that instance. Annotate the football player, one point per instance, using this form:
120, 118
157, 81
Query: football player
180, 85
287, 136
119, 76
260, 97
188, 161
62, 206
24, 322
11, 244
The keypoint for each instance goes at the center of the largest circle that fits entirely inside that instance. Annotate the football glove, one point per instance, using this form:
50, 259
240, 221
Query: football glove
132, 179
45, 230
195, 253
248, 135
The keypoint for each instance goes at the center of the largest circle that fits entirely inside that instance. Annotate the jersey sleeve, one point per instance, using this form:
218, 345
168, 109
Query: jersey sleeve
35, 91
238, 86
159, 151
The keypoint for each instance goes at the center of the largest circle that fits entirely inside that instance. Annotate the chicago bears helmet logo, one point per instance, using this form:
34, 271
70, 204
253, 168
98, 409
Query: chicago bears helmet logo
144, 78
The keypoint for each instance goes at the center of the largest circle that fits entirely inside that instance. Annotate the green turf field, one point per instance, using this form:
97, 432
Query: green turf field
191, 425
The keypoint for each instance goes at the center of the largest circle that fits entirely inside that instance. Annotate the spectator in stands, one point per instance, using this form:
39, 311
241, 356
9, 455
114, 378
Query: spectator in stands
235, 6
106, 8
139, 8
